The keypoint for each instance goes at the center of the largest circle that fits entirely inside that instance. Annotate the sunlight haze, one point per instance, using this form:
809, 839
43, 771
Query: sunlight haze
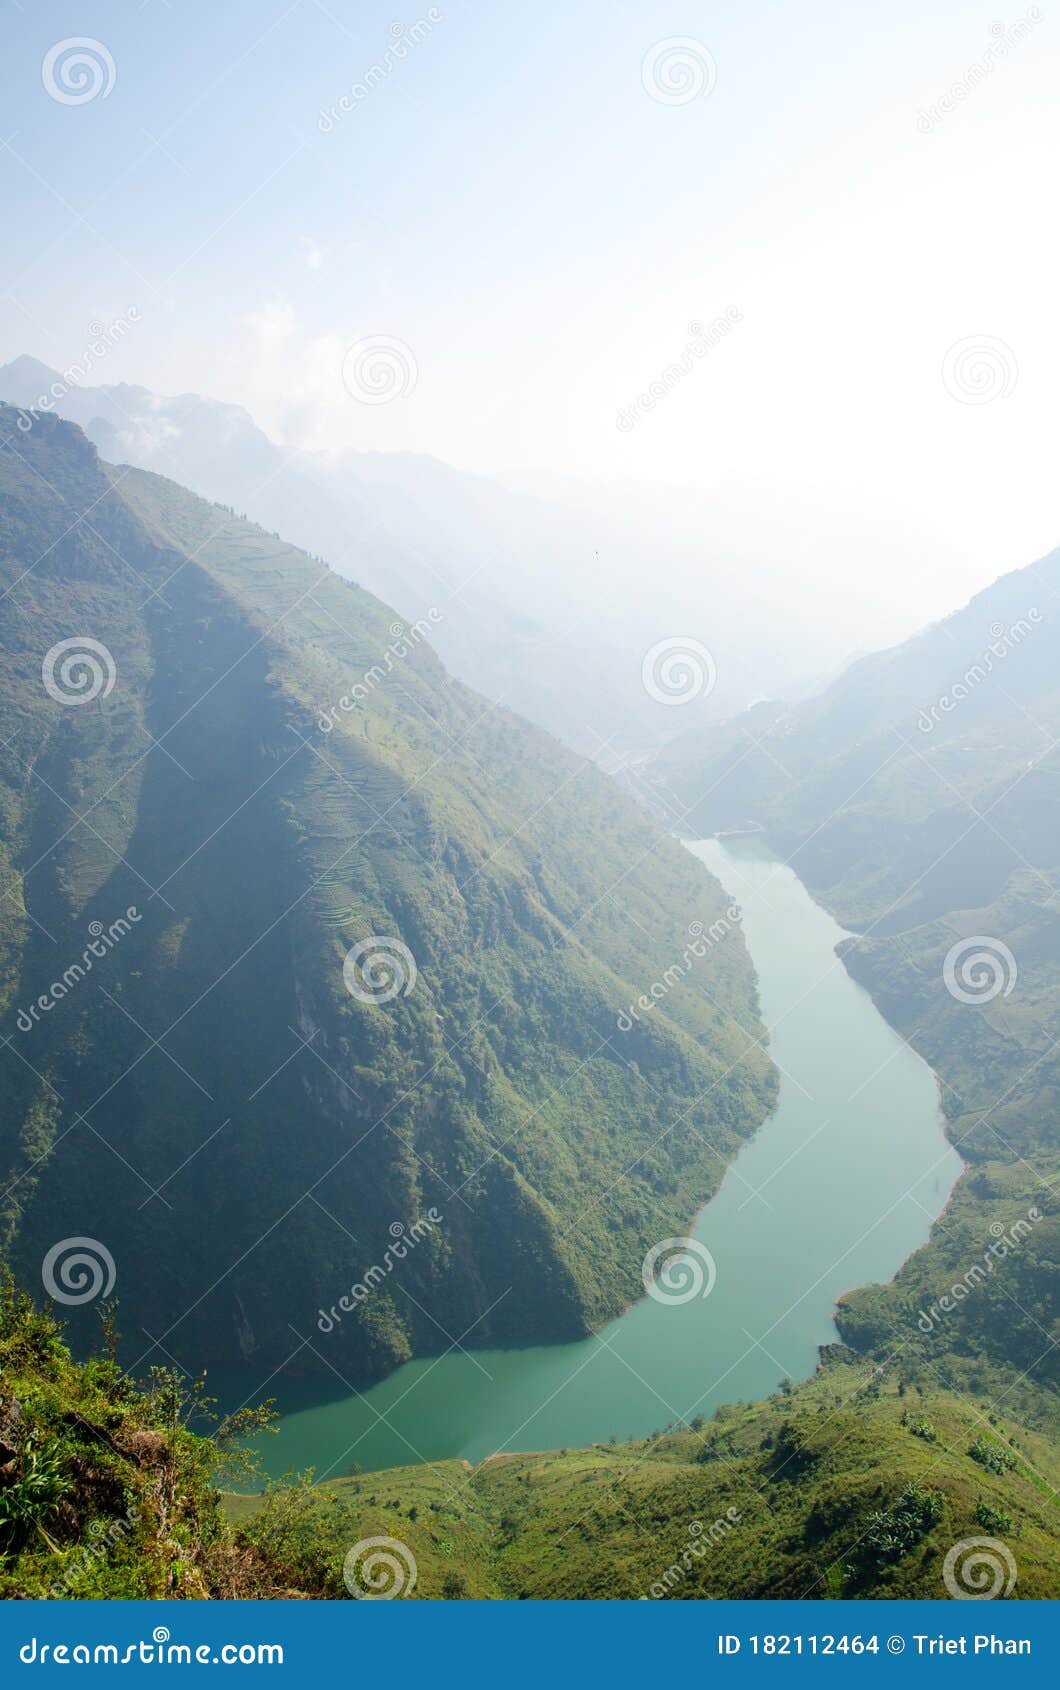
509, 202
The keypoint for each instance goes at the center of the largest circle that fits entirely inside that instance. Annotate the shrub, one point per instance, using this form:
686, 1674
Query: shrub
993, 1519
890, 1533
992, 1457
924, 1429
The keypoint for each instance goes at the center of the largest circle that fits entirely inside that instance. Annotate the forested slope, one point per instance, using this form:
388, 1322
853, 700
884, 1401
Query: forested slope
256, 770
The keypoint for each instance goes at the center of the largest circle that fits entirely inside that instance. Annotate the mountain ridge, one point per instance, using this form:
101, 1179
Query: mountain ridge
547, 604
153, 1108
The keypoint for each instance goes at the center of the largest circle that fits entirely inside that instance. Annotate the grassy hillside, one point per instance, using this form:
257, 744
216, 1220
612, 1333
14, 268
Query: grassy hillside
976, 1307
856, 1484
853, 1485
272, 771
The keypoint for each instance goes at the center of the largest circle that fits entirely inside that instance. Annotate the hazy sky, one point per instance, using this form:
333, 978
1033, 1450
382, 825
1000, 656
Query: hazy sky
514, 202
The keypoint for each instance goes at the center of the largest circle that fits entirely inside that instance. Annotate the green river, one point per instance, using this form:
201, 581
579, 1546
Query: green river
835, 1190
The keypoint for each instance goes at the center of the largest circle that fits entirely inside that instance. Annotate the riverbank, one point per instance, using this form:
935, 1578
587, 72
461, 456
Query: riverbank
835, 1189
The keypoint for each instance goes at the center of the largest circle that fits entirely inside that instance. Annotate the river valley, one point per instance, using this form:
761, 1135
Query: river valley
835, 1190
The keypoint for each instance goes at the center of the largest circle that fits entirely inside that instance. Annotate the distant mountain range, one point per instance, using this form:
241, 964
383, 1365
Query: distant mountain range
898, 784
303, 943
919, 798
548, 603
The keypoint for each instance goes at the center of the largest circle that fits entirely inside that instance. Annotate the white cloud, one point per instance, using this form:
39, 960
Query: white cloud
290, 380
313, 254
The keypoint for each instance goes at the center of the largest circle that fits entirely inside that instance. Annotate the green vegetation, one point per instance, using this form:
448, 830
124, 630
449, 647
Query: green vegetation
922, 1429
993, 1457
241, 1132
107, 1489
890, 1534
249, 1167
917, 796
995, 1520
818, 1493
965, 1315
104, 1489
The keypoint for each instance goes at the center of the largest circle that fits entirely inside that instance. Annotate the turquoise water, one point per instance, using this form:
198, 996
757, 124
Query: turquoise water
835, 1190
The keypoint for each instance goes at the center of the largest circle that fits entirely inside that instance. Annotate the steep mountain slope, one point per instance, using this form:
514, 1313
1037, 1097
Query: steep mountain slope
919, 797
877, 777
542, 603
253, 772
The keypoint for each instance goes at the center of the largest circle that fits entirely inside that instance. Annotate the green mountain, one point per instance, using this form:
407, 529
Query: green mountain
914, 784
919, 798
310, 959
